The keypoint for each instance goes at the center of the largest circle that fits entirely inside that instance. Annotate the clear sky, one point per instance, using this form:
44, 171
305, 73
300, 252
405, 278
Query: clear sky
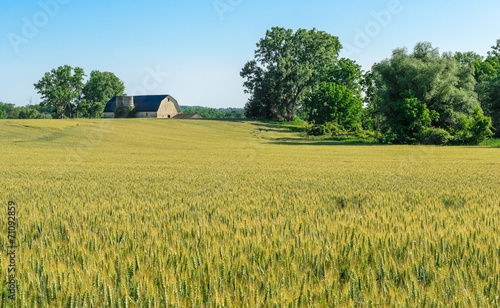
195, 49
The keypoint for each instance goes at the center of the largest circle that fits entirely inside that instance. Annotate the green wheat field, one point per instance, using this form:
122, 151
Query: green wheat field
200, 213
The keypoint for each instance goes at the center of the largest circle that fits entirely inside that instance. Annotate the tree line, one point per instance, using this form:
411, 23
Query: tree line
66, 94
422, 96
215, 113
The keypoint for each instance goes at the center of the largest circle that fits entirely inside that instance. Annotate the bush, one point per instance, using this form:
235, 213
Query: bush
473, 130
434, 135
328, 128
45, 116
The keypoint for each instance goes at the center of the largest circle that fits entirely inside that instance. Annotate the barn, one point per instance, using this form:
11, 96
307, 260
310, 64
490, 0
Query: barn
143, 106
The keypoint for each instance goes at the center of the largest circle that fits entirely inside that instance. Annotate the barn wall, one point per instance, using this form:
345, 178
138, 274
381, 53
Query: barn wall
146, 115
167, 109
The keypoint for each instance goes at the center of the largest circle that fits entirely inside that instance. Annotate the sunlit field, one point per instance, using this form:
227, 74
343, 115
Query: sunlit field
199, 213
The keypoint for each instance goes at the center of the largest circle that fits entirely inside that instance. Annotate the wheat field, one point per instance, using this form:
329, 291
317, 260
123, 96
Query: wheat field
200, 213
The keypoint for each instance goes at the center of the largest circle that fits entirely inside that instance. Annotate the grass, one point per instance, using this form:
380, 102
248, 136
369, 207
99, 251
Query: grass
178, 213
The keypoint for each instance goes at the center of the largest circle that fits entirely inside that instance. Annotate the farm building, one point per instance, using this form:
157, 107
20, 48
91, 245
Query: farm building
144, 106
188, 116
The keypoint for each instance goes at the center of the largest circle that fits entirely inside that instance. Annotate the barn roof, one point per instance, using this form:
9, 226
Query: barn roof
148, 103
111, 105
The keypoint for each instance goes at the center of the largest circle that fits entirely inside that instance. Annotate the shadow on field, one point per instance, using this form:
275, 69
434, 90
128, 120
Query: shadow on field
277, 128
298, 141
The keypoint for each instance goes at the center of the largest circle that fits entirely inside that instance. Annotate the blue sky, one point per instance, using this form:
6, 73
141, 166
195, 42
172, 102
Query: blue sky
195, 49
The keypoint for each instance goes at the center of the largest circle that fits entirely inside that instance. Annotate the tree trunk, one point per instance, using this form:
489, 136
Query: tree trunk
290, 115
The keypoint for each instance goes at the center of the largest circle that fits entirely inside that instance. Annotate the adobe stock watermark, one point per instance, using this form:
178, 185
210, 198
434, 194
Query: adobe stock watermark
31, 26
11, 250
222, 7
380, 20
153, 79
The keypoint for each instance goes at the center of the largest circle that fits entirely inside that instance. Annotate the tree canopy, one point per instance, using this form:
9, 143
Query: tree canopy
60, 88
99, 89
286, 64
488, 87
440, 82
64, 90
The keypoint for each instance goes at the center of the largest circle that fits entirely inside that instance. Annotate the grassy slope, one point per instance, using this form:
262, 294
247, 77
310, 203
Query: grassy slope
243, 212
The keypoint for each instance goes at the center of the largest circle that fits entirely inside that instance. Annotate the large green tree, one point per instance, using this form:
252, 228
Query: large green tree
286, 64
99, 89
488, 87
441, 82
61, 89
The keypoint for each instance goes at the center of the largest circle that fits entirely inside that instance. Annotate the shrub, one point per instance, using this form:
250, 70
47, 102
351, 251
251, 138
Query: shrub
45, 115
328, 128
473, 130
434, 135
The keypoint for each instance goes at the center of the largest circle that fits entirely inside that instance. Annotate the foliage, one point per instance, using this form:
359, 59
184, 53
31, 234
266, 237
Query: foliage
473, 130
491, 142
410, 118
334, 103
28, 113
440, 82
61, 89
488, 87
348, 73
9, 111
433, 135
468, 58
286, 64
172, 214
265, 97
326, 129
125, 112
215, 113
6, 109
99, 89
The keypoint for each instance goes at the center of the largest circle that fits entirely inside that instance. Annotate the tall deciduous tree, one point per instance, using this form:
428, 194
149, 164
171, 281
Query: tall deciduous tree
438, 81
99, 89
285, 65
61, 88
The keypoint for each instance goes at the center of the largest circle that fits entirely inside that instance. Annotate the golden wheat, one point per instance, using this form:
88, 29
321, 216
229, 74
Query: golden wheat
160, 213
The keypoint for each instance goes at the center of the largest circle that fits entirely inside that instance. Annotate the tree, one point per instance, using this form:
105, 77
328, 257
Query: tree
264, 101
334, 103
468, 58
488, 87
371, 116
439, 81
61, 89
99, 89
348, 73
410, 119
27, 112
5, 109
489, 93
285, 65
